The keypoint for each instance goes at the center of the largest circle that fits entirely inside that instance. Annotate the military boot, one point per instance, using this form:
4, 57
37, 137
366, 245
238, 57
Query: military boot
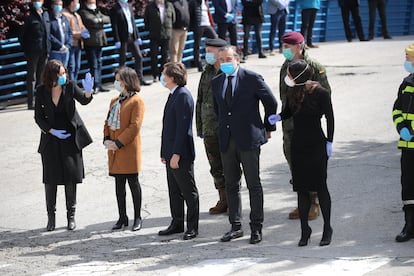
221, 206
314, 209
408, 231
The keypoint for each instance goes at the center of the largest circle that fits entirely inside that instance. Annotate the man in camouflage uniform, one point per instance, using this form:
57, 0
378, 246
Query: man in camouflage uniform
293, 49
207, 124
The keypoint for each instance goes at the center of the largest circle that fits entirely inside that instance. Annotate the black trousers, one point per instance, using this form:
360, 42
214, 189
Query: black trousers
136, 52
35, 64
258, 32
372, 6
135, 187
158, 46
249, 161
407, 176
308, 20
182, 187
222, 29
201, 31
357, 22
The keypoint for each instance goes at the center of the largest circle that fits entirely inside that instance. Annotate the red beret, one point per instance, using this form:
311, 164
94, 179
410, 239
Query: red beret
293, 38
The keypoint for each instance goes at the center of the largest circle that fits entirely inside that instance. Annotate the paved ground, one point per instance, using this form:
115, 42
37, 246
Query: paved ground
363, 181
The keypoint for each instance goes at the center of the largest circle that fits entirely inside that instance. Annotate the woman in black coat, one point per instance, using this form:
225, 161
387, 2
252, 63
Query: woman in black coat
307, 102
63, 136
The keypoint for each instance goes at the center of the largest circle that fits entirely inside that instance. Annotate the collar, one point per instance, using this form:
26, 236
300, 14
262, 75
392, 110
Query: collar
173, 89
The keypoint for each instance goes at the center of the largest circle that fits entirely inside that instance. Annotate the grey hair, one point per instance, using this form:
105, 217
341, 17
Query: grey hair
228, 47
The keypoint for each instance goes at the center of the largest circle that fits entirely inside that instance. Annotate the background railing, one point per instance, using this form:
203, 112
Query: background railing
328, 27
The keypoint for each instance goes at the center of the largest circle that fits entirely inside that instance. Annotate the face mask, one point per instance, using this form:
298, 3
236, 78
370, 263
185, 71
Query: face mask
227, 68
77, 7
117, 85
210, 58
408, 66
287, 53
91, 6
124, 1
291, 83
62, 80
37, 5
162, 80
57, 8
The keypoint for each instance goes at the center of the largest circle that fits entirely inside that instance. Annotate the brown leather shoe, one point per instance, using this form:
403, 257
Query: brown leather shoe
313, 212
294, 214
221, 207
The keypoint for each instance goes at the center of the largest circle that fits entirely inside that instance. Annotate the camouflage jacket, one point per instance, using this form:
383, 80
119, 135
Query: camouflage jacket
206, 118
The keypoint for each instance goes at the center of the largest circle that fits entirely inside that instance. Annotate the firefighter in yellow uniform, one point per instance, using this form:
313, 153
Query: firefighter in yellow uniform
403, 116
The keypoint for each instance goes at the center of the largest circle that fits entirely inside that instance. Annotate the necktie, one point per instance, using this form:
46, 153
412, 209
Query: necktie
229, 91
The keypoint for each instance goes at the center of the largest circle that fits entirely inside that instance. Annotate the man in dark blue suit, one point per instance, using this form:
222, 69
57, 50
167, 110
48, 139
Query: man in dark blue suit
242, 131
225, 15
177, 151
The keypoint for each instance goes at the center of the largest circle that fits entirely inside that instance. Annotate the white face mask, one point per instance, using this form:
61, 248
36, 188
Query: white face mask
117, 85
291, 83
91, 6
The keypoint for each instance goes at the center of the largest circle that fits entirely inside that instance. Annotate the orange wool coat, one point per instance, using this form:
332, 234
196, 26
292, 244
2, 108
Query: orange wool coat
127, 159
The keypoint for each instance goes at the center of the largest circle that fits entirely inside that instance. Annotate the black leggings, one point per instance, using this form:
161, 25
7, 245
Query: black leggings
120, 181
304, 203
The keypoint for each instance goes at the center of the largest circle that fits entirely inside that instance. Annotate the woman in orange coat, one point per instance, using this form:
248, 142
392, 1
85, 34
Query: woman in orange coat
123, 141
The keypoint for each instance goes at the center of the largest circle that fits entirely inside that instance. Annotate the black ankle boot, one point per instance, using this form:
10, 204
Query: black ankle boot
71, 220
326, 237
51, 222
305, 237
137, 224
120, 223
408, 231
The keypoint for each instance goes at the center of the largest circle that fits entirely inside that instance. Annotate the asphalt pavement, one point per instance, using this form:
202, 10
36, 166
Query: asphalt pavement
363, 179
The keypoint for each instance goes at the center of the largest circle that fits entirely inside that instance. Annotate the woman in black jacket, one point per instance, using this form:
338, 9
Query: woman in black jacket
63, 136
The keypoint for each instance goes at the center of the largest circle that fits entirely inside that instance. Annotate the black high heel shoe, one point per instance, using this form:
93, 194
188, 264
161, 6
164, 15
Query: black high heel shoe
305, 237
120, 223
326, 237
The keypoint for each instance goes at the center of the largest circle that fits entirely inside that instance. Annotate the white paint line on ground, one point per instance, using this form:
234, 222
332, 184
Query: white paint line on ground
5, 265
92, 268
217, 267
342, 267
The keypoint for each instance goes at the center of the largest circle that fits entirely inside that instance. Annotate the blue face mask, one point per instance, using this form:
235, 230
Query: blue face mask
227, 67
37, 5
124, 1
62, 80
287, 53
210, 58
408, 66
77, 7
57, 8
162, 80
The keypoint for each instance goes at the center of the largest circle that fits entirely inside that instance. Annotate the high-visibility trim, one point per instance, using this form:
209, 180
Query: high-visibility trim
398, 120
405, 144
408, 89
408, 202
396, 112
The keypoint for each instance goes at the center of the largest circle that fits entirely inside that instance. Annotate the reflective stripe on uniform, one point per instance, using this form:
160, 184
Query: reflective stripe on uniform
408, 202
405, 144
408, 89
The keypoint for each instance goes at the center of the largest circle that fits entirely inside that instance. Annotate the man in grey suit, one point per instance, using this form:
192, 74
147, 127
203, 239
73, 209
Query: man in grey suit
242, 131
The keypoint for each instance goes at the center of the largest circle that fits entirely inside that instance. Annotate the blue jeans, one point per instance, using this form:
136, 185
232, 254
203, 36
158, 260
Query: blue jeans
277, 20
61, 56
94, 56
74, 62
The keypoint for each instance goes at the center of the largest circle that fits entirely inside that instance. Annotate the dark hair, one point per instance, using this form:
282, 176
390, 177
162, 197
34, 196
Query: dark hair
66, 3
229, 47
51, 72
176, 71
301, 72
130, 78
